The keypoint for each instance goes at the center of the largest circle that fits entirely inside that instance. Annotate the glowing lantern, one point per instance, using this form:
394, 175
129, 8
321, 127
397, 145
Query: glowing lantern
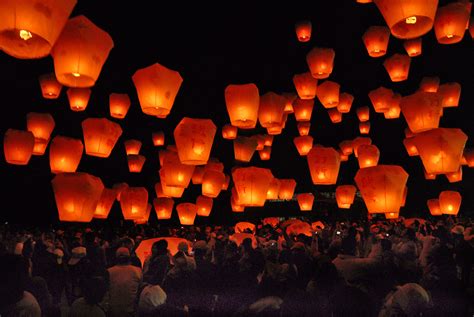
363, 113
382, 187
328, 94
77, 196
29, 29
298, 228
214, 165
449, 202
244, 147
397, 67
204, 206
242, 103
226, 183
429, 176
392, 215
303, 109
364, 1
163, 207
265, 153
410, 147
271, 109
105, 203
450, 23
441, 149
323, 163
408, 19
242, 227
429, 84
364, 127
163, 191
358, 142
346, 147
368, 155
290, 97
320, 62
303, 144
119, 187
186, 213
64, 154
78, 98
469, 155
132, 147
41, 125
450, 94
212, 183
422, 111
158, 138
275, 130
335, 115
305, 85
305, 201
376, 40
287, 188
50, 87
235, 206
413, 47
157, 87
345, 196
18, 146
174, 173
344, 158
198, 175
271, 221
143, 220
345, 102
273, 189
381, 98
100, 136
303, 128
229, 132
268, 140
194, 138
119, 105
134, 202
135, 162
394, 111
251, 184
456, 176
303, 31
433, 206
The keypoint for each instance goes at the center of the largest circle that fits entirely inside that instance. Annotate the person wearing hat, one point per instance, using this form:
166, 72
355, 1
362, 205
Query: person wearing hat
77, 266
125, 280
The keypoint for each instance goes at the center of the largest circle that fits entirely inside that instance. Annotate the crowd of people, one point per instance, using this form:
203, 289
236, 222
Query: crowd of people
364, 268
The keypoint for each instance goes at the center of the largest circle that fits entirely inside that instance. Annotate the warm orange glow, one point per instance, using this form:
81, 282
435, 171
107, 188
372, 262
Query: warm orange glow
287, 188
410, 147
305, 201
265, 153
271, 110
186, 213
413, 47
271, 221
135, 162
422, 111
100, 136
163, 207
450, 23
64, 154
335, 115
363, 113
303, 144
198, 175
134, 202
364, 127
429, 84
303, 31
433, 206
229, 132
328, 94
50, 87
194, 138
204, 206
381, 99
175, 174
305, 85
41, 125
303, 128
323, 163
397, 67
346, 147
391, 215
251, 184
376, 40
132, 147
119, 105
244, 148
303, 109
358, 142
345, 102
455, 176
243, 227
78, 98
18, 146
105, 203
273, 189
235, 206
450, 202
290, 97
242, 103
320, 62
345, 196
368, 155
450, 94
158, 138
212, 182
119, 187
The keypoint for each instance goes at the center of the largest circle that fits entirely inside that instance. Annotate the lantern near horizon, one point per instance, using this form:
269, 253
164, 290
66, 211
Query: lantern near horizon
65, 154
345, 102
134, 202
186, 213
41, 125
413, 47
100, 136
163, 207
305, 201
449, 202
157, 87
273, 189
271, 221
251, 185
76, 195
368, 155
303, 109
422, 111
303, 144
135, 162
433, 206
204, 206
320, 62
328, 94
323, 163
194, 138
158, 138
229, 132
450, 94
18, 146
429, 84
450, 22
303, 31
305, 85
345, 196
143, 220
119, 105
78, 98
376, 40
242, 102
244, 226
397, 67
50, 86
212, 182
105, 203
234, 204
244, 148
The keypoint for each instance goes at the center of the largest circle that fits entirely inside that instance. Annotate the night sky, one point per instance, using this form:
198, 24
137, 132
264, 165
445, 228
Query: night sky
212, 46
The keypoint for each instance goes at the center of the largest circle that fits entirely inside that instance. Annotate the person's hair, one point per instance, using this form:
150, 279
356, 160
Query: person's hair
161, 247
13, 277
94, 289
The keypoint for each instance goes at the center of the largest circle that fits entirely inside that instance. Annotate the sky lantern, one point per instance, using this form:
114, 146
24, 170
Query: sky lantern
174, 173
303, 144
132, 147
303, 109
268, 140
429, 84
344, 158
410, 147
244, 226
119, 187
158, 138
271, 109
242, 103
433, 206
305, 85
397, 67
449, 202
345, 196
214, 165
226, 183
41, 125
212, 182
408, 19
320, 62
303, 128
265, 153
335, 115
376, 40
186, 213
303, 31
364, 1
345, 102
119, 105
394, 109
134, 202
76, 195
163, 207
50, 86
198, 175
135, 162
80, 52
429, 176
65, 154
382, 187
18, 146
244, 147
273, 189
251, 184
287, 188
450, 23
157, 87
229, 132
346, 147
413, 47
323, 163
363, 113
328, 94
100, 136
234, 203
422, 110
381, 98
105, 203
162, 191
455, 176
290, 97
391, 215
204, 206
29, 29
469, 156
364, 127
450, 94
358, 141
441, 149
305, 201
194, 138
78, 98
368, 155
143, 220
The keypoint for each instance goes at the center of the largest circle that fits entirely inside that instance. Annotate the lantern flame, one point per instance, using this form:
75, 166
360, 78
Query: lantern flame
411, 20
25, 35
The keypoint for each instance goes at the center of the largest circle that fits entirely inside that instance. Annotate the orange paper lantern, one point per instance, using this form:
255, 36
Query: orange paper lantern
305, 201
65, 154
242, 103
429, 84
271, 221
158, 138
335, 115
186, 213
143, 220
119, 105
132, 147
358, 142
455, 176
78, 98
346, 147
345, 196
376, 40
100, 136
18, 146
450, 23
450, 94
303, 31
244, 227
287, 188
323, 163
163, 207
265, 153
268, 140
271, 110
320, 62
391, 215
303, 128
433, 206
235, 206
273, 189
303, 109
198, 175
364, 127
449, 202
410, 147
134, 202
226, 183
469, 155
305, 85
344, 158
368, 155
194, 138
397, 67
345, 102
429, 176
244, 147
204, 206
413, 47
119, 187
50, 86
328, 94
363, 113
212, 182
229, 132
41, 125
381, 99
163, 191
251, 184
290, 97
105, 203
135, 162
174, 173
303, 144
422, 111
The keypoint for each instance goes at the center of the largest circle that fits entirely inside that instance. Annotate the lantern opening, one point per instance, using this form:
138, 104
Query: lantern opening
411, 20
25, 35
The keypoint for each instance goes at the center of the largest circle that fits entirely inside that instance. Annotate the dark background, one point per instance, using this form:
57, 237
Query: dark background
212, 46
